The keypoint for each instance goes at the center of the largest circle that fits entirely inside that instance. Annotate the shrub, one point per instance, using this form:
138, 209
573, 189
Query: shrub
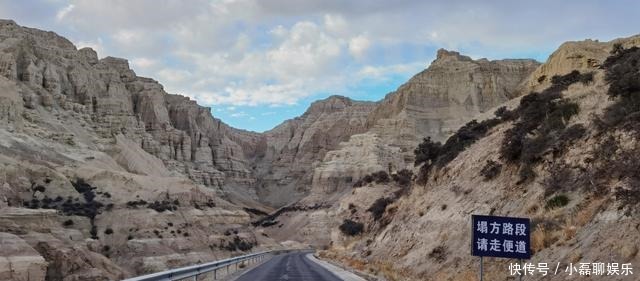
135, 204
623, 75
432, 153
542, 78
541, 119
108, 231
237, 244
490, 170
439, 254
161, 206
403, 177
378, 207
567, 138
628, 198
39, 188
427, 151
68, 223
557, 202
504, 114
351, 228
465, 136
381, 177
94, 232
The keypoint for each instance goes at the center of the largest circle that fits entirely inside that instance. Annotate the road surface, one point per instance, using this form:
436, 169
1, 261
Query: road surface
292, 266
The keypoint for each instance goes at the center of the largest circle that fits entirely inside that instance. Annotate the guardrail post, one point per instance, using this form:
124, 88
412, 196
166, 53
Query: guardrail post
215, 274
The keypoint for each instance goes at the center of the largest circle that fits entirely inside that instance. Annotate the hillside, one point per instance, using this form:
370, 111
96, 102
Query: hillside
104, 175
565, 156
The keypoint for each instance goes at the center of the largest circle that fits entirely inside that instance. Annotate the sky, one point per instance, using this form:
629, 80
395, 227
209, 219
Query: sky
257, 63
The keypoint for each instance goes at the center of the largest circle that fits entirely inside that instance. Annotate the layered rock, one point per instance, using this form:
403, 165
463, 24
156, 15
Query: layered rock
104, 175
296, 147
585, 55
434, 103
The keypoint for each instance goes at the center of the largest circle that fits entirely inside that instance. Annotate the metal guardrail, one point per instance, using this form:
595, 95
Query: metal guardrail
196, 270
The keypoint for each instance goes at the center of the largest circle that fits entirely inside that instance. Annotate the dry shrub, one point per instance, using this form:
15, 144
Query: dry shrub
356, 264
628, 251
587, 210
541, 238
439, 254
569, 232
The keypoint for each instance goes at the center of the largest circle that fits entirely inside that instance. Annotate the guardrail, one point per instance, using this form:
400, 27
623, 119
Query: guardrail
201, 269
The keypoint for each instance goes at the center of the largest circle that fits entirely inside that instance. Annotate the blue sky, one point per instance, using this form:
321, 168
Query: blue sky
260, 62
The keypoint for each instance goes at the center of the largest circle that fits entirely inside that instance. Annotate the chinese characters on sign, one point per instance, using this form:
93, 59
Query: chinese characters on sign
503, 237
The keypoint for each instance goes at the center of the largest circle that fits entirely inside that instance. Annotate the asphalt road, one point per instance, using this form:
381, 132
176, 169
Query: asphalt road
292, 266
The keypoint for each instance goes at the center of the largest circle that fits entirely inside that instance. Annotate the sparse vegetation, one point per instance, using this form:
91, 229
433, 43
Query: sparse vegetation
403, 177
490, 170
377, 177
433, 154
161, 206
541, 120
378, 207
351, 228
623, 76
557, 201
237, 244
286, 209
439, 254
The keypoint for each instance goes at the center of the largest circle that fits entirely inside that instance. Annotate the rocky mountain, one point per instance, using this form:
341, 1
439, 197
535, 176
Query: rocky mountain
104, 175
434, 103
297, 146
572, 172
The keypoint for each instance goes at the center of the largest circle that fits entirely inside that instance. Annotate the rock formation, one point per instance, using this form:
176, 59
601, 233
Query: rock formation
434, 103
422, 233
105, 175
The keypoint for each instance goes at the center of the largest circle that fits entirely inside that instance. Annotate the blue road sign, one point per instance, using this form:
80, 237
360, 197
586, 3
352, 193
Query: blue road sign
502, 237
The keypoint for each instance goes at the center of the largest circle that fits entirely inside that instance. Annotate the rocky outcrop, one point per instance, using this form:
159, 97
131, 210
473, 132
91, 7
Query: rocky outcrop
104, 175
451, 91
434, 103
587, 55
423, 235
297, 146
19, 261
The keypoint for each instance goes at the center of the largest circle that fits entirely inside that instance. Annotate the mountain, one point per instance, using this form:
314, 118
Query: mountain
563, 153
104, 175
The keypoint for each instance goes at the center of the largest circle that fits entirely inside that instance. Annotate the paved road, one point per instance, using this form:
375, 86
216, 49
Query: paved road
292, 266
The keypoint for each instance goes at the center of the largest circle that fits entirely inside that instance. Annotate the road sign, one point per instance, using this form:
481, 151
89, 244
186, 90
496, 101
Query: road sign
502, 237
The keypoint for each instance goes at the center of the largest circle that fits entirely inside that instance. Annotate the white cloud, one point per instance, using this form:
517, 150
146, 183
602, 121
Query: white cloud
143, 63
381, 73
96, 45
63, 12
277, 52
358, 46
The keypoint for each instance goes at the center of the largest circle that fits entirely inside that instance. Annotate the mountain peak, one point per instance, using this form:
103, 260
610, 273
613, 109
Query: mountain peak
444, 54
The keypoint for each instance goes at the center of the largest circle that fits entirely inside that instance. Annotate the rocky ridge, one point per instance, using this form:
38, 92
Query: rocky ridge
118, 150
583, 208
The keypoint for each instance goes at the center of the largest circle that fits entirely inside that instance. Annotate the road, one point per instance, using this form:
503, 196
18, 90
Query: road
292, 266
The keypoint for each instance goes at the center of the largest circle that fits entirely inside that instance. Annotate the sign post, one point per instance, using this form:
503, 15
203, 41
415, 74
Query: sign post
500, 237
